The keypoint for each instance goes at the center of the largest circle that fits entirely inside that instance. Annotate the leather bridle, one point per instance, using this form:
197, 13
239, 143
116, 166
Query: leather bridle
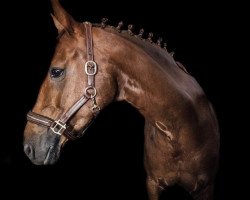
61, 125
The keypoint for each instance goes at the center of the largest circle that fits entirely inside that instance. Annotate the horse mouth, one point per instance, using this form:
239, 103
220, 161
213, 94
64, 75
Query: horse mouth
51, 156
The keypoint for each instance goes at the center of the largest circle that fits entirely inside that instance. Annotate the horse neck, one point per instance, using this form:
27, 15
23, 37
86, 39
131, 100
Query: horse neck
141, 80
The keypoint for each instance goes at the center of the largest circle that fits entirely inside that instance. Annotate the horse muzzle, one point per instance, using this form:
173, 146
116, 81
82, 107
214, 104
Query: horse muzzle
43, 149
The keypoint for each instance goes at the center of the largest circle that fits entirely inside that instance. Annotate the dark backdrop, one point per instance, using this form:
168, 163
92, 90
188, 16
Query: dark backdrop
108, 161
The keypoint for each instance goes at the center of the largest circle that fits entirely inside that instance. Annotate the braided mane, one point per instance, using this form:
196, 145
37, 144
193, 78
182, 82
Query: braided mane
130, 35
155, 49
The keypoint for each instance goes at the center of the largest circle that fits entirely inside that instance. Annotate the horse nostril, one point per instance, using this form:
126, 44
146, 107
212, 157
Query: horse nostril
28, 150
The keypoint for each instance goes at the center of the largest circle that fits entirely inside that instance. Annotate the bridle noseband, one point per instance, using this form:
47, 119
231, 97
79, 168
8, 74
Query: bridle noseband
61, 126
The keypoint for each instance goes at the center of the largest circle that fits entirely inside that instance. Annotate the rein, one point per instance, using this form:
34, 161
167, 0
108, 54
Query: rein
61, 125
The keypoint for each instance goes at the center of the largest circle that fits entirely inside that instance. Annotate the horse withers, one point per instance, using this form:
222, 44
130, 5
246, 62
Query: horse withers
94, 65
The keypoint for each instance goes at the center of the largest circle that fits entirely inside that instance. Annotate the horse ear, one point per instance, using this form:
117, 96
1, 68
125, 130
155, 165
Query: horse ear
61, 18
58, 25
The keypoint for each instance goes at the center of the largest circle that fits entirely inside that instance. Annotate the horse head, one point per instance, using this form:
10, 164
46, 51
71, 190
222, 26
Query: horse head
66, 83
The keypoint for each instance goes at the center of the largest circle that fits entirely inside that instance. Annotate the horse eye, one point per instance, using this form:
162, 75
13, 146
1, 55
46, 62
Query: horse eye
56, 72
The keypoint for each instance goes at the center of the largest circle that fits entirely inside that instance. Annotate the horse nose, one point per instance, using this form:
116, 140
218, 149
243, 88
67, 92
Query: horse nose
29, 151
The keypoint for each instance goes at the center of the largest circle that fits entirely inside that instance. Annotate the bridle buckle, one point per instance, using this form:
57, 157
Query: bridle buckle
90, 68
58, 127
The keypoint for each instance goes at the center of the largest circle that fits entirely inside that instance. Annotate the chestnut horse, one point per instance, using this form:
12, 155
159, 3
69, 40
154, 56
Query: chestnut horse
181, 130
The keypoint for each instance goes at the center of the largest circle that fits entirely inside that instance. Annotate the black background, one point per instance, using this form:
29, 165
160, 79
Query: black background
108, 161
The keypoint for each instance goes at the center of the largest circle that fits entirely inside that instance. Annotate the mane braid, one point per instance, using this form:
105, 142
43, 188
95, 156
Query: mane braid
148, 42
132, 35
